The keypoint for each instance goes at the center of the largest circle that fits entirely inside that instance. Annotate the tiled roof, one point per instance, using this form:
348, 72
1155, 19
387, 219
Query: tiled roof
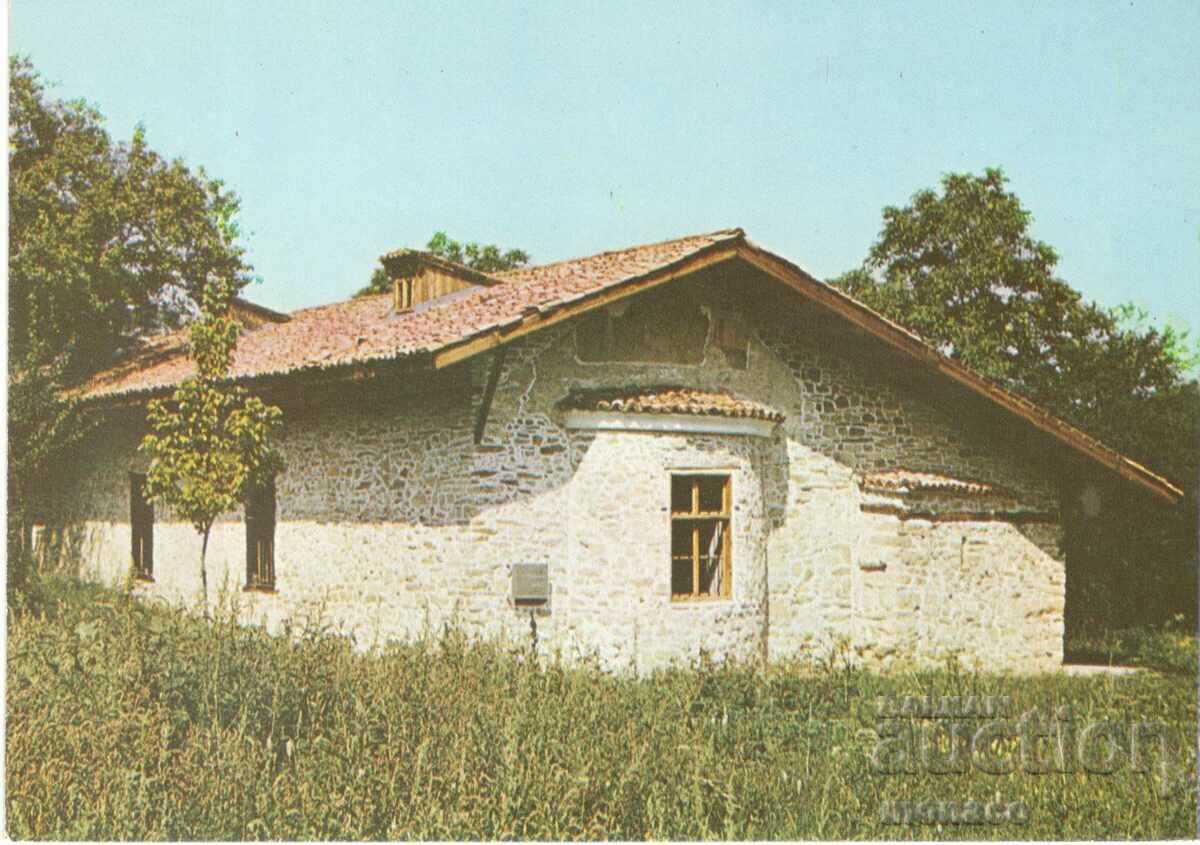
367, 329
669, 400
908, 481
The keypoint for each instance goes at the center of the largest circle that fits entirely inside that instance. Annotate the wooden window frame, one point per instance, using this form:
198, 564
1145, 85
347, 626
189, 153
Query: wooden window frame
141, 528
697, 519
260, 508
403, 294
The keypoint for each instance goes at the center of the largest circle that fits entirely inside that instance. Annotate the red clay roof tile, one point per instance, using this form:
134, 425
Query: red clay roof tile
906, 481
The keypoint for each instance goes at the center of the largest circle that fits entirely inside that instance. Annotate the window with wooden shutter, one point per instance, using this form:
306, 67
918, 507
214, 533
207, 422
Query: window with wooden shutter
141, 521
260, 538
701, 547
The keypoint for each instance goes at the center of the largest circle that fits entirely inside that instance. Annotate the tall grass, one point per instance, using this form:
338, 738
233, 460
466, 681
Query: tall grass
1169, 647
126, 721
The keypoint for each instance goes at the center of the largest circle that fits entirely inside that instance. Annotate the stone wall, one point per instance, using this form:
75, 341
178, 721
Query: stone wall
392, 521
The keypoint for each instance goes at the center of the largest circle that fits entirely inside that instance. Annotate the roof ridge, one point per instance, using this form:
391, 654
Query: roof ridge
728, 234
506, 275
354, 298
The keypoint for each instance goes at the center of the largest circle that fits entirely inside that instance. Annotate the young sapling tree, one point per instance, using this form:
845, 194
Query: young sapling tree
210, 443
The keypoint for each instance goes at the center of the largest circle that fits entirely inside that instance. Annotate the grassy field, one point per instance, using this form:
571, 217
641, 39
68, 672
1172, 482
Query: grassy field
131, 722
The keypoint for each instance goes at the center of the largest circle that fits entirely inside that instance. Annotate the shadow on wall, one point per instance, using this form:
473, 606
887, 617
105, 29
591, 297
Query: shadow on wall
62, 549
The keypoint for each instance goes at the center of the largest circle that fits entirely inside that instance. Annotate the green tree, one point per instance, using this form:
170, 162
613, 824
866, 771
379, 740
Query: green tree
101, 232
211, 443
486, 259
961, 269
42, 426
107, 242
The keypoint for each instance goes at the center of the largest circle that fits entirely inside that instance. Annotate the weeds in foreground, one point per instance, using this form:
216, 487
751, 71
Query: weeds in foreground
127, 721
1170, 647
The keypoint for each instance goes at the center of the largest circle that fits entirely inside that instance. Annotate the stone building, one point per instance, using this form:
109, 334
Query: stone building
643, 455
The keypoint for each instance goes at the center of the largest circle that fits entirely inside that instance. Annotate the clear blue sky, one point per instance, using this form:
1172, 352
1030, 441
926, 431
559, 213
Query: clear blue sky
352, 128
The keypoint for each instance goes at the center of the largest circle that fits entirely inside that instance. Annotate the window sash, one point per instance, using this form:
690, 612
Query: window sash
697, 526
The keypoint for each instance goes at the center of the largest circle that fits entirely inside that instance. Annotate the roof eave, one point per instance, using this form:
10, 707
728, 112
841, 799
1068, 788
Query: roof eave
342, 372
910, 343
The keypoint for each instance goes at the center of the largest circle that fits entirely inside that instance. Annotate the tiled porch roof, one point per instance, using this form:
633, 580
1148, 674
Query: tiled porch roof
670, 400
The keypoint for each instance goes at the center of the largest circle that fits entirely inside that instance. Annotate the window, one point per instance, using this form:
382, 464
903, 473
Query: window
403, 294
701, 552
260, 538
141, 521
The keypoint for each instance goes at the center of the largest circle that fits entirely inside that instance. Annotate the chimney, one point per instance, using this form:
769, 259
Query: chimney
421, 276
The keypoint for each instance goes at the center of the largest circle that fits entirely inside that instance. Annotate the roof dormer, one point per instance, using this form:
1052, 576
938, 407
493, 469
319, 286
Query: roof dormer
422, 276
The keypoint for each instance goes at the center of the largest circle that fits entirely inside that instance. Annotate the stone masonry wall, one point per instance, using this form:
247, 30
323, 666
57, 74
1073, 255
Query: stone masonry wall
392, 521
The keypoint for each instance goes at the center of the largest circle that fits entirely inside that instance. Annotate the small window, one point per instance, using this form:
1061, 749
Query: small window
141, 521
260, 538
403, 294
701, 551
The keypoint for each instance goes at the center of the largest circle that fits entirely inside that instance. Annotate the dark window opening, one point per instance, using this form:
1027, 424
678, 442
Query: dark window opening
403, 294
260, 538
701, 551
141, 521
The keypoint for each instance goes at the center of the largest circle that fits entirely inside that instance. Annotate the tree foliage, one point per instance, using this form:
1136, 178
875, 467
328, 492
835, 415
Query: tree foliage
42, 426
211, 443
961, 268
107, 241
100, 233
488, 258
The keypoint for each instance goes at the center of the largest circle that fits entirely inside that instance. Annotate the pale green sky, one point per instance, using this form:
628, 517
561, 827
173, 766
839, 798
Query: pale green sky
353, 128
